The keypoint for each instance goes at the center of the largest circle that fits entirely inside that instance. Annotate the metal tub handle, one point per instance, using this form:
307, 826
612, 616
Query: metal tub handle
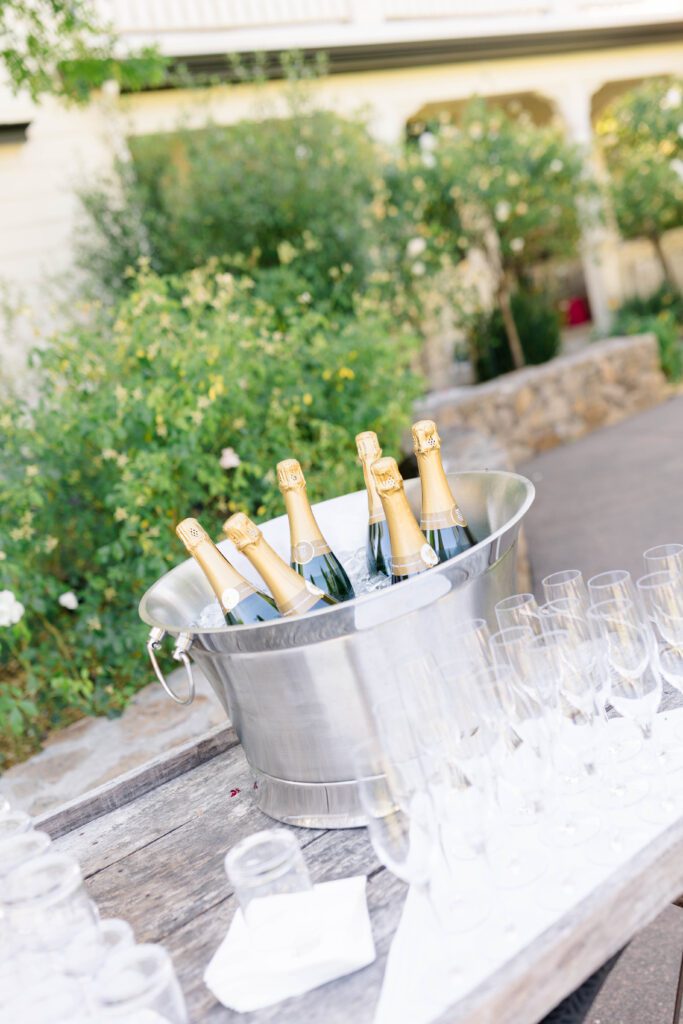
183, 644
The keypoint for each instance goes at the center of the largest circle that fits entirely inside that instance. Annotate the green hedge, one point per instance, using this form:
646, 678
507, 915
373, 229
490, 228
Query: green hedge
182, 406
275, 191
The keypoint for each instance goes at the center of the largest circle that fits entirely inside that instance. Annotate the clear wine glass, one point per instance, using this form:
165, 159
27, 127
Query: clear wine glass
471, 643
569, 585
140, 978
614, 585
667, 557
636, 691
662, 593
518, 610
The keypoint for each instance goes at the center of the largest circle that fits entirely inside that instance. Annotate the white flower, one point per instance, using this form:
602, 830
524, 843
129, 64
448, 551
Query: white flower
229, 459
680, 130
301, 152
428, 160
556, 165
517, 244
418, 268
428, 142
672, 98
68, 600
304, 298
415, 247
502, 211
677, 167
11, 610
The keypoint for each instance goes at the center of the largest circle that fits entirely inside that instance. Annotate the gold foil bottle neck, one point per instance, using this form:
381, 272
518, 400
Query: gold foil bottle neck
425, 437
290, 476
367, 445
241, 531
386, 475
191, 533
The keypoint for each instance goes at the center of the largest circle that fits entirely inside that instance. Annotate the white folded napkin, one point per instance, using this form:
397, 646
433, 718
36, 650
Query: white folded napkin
300, 941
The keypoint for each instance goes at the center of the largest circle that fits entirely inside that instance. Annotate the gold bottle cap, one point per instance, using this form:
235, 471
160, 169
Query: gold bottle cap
241, 531
290, 476
191, 533
367, 444
425, 436
387, 477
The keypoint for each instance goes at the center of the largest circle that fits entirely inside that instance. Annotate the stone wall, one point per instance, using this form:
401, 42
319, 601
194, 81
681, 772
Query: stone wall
536, 408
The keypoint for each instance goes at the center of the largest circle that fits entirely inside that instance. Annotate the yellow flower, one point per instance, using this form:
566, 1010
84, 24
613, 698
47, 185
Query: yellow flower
3, 556
32, 471
327, 374
239, 423
346, 373
308, 399
217, 388
121, 393
109, 593
261, 510
51, 543
120, 514
93, 623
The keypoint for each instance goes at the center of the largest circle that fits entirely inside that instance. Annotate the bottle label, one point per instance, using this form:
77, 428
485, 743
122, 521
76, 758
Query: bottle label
306, 550
232, 596
425, 558
441, 520
302, 601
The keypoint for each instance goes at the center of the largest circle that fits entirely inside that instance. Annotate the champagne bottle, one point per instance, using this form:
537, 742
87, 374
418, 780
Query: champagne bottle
311, 556
410, 552
241, 602
293, 595
378, 544
442, 522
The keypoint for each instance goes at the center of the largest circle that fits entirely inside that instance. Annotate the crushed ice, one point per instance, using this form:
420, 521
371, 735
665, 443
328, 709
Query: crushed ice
356, 566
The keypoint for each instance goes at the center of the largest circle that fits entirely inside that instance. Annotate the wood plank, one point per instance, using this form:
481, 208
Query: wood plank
135, 783
164, 852
111, 837
564, 956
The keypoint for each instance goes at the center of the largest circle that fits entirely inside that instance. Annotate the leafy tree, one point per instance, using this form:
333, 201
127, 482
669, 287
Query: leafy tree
509, 187
641, 134
61, 47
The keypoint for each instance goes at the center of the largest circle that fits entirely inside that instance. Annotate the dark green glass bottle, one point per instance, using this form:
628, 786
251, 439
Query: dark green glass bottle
378, 548
441, 520
241, 602
311, 556
293, 595
410, 552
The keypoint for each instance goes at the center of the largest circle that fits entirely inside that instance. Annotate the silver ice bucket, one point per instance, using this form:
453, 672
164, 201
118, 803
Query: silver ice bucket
297, 689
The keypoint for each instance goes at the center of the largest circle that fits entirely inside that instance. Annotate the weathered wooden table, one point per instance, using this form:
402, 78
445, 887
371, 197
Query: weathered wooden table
152, 843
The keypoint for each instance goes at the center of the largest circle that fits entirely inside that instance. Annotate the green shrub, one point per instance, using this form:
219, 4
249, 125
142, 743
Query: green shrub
125, 435
664, 300
667, 329
538, 323
296, 190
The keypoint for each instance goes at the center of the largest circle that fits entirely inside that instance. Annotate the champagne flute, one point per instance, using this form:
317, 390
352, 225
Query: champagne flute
614, 585
664, 556
518, 610
566, 584
637, 691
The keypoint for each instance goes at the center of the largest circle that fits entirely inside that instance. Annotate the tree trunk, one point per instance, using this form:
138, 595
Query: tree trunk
511, 331
663, 260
